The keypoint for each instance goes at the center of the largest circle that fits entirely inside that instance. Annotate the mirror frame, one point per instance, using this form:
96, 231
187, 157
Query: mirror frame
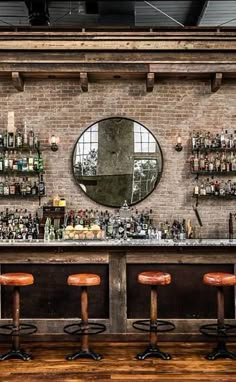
129, 119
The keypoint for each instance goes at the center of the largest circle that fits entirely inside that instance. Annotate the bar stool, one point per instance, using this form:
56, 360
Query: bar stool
16, 329
153, 325
84, 327
220, 330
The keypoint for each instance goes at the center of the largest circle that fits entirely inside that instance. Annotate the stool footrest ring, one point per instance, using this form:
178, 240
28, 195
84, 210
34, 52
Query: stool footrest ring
157, 326
81, 329
22, 330
214, 330
153, 352
16, 354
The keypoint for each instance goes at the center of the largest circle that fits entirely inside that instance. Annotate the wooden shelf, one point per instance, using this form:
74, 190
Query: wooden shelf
213, 149
20, 173
22, 196
212, 196
210, 173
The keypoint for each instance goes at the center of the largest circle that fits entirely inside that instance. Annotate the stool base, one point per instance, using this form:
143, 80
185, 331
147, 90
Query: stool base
220, 352
84, 354
153, 352
16, 354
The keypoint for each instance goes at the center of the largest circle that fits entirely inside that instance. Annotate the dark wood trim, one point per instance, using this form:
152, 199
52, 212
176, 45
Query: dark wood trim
117, 290
150, 81
84, 81
18, 81
216, 82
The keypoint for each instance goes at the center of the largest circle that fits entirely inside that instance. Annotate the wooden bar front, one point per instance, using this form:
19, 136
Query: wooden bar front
51, 304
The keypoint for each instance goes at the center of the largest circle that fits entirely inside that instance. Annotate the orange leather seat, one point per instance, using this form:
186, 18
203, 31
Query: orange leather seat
154, 278
16, 279
84, 279
219, 279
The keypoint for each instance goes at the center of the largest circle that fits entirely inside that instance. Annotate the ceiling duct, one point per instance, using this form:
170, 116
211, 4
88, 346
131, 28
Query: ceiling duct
38, 12
117, 12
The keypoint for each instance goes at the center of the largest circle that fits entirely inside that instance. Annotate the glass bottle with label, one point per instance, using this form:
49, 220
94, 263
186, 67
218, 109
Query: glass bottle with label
19, 139
41, 186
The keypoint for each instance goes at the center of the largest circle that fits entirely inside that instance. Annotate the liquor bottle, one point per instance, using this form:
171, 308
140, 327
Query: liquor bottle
6, 187
34, 189
5, 138
31, 162
10, 140
15, 161
41, 186
20, 163
195, 163
31, 139
10, 161
23, 187
222, 139
12, 188
1, 163
194, 137
25, 166
19, 139
28, 186
1, 188
6, 161
25, 137
1, 140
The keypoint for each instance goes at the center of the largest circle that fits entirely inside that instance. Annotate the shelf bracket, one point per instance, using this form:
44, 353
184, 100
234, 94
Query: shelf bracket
216, 82
150, 81
17, 81
84, 81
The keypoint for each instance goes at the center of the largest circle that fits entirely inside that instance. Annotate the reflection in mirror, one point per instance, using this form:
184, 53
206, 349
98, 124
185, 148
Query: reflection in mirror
117, 159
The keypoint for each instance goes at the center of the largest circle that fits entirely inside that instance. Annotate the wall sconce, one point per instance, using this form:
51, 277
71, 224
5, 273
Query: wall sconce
53, 141
178, 146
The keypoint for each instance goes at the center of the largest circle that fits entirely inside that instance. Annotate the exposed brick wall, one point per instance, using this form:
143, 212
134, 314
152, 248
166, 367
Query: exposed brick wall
175, 106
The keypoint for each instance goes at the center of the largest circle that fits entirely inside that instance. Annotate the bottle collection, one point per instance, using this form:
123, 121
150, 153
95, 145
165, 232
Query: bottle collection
18, 225
217, 162
207, 140
85, 223
19, 139
14, 161
215, 187
22, 186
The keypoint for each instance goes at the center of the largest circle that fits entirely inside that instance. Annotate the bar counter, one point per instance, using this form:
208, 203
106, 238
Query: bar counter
119, 300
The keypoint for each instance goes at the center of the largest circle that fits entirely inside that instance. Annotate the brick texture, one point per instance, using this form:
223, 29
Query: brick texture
57, 106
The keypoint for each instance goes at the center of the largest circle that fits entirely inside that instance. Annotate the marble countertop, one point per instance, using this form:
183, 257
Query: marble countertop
121, 243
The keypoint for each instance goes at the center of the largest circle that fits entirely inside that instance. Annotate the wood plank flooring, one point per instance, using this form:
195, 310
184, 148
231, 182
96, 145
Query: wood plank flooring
49, 364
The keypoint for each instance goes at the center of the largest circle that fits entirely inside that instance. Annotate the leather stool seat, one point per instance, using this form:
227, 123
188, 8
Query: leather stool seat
16, 279
154, 278
220, 329
219, 279
84, 279
153, 325
84, 328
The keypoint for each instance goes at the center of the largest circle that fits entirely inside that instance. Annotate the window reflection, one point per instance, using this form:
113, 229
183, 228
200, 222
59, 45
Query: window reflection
117, 159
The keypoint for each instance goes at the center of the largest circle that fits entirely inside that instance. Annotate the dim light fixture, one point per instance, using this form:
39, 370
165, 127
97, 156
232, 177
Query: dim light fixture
178, 146
54, 142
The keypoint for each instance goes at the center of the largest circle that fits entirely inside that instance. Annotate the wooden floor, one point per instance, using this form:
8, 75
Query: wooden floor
119, 364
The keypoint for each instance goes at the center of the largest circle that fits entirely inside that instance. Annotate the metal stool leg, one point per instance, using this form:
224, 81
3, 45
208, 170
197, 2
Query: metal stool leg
16, 352
153, 350
85, 352
221, 350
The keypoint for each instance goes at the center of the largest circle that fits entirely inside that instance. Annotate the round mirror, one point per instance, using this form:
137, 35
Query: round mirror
117, 159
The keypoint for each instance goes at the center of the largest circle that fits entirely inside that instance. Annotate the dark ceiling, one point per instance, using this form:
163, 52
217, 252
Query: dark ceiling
133, 14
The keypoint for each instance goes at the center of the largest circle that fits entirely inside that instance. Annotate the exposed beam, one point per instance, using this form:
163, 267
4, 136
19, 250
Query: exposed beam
18, 81
194, 12
216, 82
84, 81
203, 12
150, 82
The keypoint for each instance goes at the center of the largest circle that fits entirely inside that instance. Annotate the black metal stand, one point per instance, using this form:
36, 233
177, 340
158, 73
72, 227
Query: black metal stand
15, 330
84, 329
220, 330
153, 326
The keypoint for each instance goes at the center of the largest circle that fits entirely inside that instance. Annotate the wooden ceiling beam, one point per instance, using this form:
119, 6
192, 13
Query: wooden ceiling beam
17, 81
84, 81
150, 81
216, 82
